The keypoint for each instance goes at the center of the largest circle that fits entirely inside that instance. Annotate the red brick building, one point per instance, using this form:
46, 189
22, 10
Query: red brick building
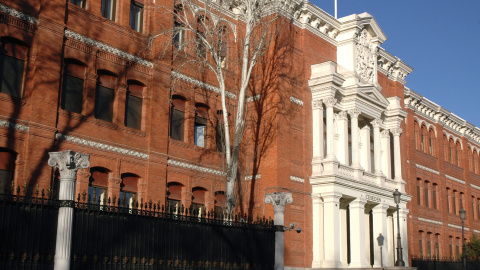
79, 75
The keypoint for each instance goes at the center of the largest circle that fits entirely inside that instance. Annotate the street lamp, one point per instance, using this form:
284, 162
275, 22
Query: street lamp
399, 262
463, 216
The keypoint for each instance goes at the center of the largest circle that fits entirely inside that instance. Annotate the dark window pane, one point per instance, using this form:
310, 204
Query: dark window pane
133, 112
72, 95
12, 76
219, 137
108, 9
136, 16
104, 104
200, 131
6, 178
80, 3
177, 125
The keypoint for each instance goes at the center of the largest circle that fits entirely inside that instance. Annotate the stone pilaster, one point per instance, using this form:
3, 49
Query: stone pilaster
329, 103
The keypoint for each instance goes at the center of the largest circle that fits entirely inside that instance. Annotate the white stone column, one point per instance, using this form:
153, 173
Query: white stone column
67, 162
317, 117
366, 160
357, 234
317, 230
329, 103
380, 227
403, 232
391, 231
355, 138
279, 200
397, 154
342, 123
386, 155
376, 144
331, 230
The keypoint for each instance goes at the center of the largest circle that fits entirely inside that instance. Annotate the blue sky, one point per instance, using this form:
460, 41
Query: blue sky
439, 39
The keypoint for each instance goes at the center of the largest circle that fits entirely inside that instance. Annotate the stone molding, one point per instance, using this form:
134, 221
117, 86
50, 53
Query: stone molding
296, 101
15, 13
475, 186
376, 123
426, 169
330, 102
454, 179
476, 231
392, 66
11, 125
108, 48
253, 177
457, 227
430, 221
103, 146
428, 125
207, 86
194, 167
297, 179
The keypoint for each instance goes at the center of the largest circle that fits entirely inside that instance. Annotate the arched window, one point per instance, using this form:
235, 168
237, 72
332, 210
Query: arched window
434, 195
475, 161
134, 105
429, 245
454, 202
416, 135
178, 32
470, 160
105, 96
431, 142
451, 151
458, 156
419, 192
222, 45
423, 139
201, 45
7, 170
98, 185
449, 200
72, 89
437, 246
129, 190
420, 243
426, 197
12, 65
201, 117
177, 118
174, 197
219, 204
198, 201
445, 149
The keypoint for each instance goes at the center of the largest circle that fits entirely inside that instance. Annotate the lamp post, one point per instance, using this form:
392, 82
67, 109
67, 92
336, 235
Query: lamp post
399, 262
463, 215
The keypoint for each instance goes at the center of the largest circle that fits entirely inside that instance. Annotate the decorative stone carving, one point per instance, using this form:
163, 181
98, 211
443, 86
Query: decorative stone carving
297, 179
68, 162
366, 57
376, 123
279, 200
15, 13
254, 98
207, 86
296, 101
342, 115
60, 136
385, 133
195, 167
354, 113
11, 125
396, 131
330, 102
317, 104
252, 177
107, 48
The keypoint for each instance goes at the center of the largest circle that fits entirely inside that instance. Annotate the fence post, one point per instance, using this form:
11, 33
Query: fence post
279, 200
67, 162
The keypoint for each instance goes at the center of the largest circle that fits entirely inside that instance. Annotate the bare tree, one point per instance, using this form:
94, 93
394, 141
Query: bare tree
201, 34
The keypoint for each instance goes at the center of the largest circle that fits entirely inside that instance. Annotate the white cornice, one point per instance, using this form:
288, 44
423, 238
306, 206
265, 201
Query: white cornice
456, 227
99, 145
430, 221
297, 179
15, 13
392, 66
194, 167
454, 179
426, 169
107, 48
475, 186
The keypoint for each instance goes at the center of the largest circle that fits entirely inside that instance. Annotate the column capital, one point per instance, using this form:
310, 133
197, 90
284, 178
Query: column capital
354, 113
68, 162
376, 123
396, 131
330, 102
358, 203
317, 104
279, 200
342, 115
385, 133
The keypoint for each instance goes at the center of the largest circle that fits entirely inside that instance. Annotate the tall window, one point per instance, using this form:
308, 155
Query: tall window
108, 9
134, 106
178, 32
426, 194
7, 169
200, 43
445, 148
475, 162
448, 201
80, 3
136, 16
416, 134
222, 48
174, 198
434, 196
451, 151
219, 204
429, 246
198, 201
72, 90
98, 185
177, 118
431, 137
423, 137
104, 97
201, 126
219, 135
128, 190
450, 247
12, 65
454, 202
460, 200
418, 192
458, 151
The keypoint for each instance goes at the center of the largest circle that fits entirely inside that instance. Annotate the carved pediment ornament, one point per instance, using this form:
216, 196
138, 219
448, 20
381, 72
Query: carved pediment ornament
366, 55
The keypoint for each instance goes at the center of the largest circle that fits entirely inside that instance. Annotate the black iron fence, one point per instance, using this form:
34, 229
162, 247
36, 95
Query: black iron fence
28, 227
443, 264
132, 235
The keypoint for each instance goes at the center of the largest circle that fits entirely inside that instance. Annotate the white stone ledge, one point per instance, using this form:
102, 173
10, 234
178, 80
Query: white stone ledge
426, 169
430, 221
297, 179
252, 177
454, 179
194, 167
11, 125
15, 13
475, 186
457, 227
207, 86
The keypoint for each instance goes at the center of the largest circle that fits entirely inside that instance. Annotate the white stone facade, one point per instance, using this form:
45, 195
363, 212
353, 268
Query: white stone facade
356, 163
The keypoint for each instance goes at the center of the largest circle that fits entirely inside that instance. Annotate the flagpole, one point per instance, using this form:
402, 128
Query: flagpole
336, 9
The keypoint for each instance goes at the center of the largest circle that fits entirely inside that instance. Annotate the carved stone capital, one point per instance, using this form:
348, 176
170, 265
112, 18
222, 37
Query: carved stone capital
68, 162
342, 115
396, 131
376, 123
385, 133
317, 104
279, 200
354, 113
330, 102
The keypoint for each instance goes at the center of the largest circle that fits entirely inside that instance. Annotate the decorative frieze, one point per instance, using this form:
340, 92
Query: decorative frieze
366, 55
454, 179
11, 125
102, 146
296, 101
195, 167
254, 98
297, 179
426, 169
107, 48
201, 84
317, 104
457, 227
430, 221
252, 177
18, 14
392, 66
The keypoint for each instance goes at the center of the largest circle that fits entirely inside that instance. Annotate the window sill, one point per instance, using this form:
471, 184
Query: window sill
137, 132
